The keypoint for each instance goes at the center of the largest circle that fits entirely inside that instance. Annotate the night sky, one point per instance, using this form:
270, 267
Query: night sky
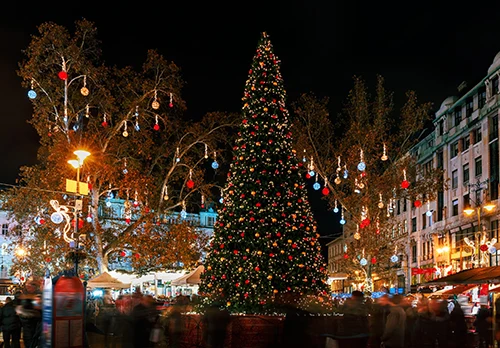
426, 46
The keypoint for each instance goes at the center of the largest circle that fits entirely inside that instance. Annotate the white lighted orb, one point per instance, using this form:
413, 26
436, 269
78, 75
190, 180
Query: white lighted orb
363, 262
394, 258
56, 218
335, 210
428, 213
31, 94
342, 221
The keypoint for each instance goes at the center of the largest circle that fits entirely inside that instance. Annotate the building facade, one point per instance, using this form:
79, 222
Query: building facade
441, 239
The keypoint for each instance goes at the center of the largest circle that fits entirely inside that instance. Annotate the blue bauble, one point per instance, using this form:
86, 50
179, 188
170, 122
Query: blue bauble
335, 210
316, 186
312, 173
215, 165
31, 94
361, 166
342, 221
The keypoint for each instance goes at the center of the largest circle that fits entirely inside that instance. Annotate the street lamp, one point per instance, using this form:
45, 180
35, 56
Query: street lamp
77, 164
480, 237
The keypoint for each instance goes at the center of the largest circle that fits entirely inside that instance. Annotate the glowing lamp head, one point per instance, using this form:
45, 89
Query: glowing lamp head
468, 211
82, 155
489, 207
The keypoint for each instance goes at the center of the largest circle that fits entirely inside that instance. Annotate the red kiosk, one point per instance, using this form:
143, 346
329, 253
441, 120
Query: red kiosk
68, 311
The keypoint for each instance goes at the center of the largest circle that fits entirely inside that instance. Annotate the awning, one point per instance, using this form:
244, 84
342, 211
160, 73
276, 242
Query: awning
105, 280
191, 278
482, 275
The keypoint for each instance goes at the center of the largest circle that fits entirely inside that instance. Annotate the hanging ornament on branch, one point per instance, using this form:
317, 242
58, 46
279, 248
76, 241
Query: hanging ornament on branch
190, 182
405, 183
395, 258
380, 201
156, 127
155, 104
104, 121
342, 220
335, 208
171, 104
84, 90
316, 185
31, 93
325, 191
361, 164
125, 132
215, 165
339, 169
384, 154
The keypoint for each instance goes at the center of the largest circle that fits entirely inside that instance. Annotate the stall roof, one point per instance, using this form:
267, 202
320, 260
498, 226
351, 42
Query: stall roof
191, 278
482, 275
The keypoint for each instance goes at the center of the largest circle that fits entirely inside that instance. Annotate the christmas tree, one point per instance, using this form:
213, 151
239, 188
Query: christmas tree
265, 244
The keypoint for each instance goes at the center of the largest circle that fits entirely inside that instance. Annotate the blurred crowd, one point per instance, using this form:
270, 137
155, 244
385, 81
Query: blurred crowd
405, 322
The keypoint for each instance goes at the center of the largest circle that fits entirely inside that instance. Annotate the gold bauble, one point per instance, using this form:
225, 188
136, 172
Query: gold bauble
155, 105
209, 285
228, 303
265, 109
301, 265
274, 220
241, 158
289, 241
275, 291
242, 219
282, 251
252, 193
240, 269
357, 236
247, 250
381, 205
222, 259
209, 267
275, 244
257, 235
84, 91
125, 134
337, 180
259, 252
269, 277
252, 169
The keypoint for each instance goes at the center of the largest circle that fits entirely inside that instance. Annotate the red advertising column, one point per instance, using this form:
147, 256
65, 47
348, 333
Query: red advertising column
68, 313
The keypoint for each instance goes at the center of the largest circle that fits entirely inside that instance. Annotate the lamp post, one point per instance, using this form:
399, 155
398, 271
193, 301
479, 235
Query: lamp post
479, 205
77, 164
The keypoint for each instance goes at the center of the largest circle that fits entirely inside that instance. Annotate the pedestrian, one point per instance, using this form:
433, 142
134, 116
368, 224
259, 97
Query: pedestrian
215, 321
378, 315
144, 318
483, 325
458, 326
441, 322
11, 325
355, 324
30, 313
394, 331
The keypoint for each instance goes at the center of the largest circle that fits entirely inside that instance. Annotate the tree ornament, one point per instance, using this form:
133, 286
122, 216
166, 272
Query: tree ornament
190, 182
123, 253
417, 203
483, 247
363, 262
405, 184
342, 220
56, 217
63, 75
325, 191
335, 208
361, 164
156, 127
346, 256
125, 133
215, 165
104, 121
384, 154
31, 93
125, 170
394, 258
84, 90
374, 260
380, 202
337, 180
171, 103
155, 104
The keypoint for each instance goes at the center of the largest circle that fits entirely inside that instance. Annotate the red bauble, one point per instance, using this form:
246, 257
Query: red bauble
48, 259
325, 191
417, 204
308, 176
257, 268
190, 184
41, 221
374, 260
483, 247
156, 127
127, 220
136, 255
171, 105
122, 253
63, 75
405, 184
346, 256
146, 210
104, 124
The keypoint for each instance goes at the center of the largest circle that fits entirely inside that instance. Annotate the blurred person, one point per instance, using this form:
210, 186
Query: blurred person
422, 331
107, 315
30, 312
355, 321
11, 325
411, 318
216, 321
458, 326
144, 317
394, 331
483, 324
441, 322
378, 315
175, 324
295, 325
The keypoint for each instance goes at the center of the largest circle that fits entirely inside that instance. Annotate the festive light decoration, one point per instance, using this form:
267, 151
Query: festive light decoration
361, 164
384, 154
264, 241
405, 183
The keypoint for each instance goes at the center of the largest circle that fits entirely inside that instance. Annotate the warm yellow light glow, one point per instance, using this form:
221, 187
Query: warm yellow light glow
20, 252
489, 207
469, 211
81, 154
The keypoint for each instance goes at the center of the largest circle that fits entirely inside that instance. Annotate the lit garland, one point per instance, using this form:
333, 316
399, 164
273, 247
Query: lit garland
265, 242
